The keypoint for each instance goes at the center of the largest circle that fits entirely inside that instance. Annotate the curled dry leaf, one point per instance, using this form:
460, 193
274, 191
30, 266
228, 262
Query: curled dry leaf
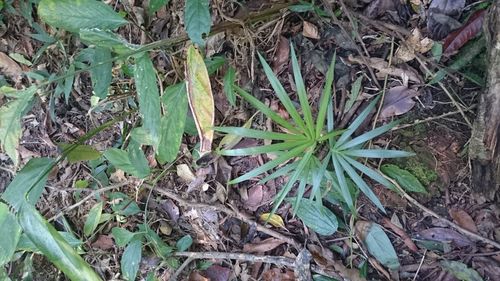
413, 45
310, 30
459, 37
463, 219
201, 100
383, 67
9, 67
397, 101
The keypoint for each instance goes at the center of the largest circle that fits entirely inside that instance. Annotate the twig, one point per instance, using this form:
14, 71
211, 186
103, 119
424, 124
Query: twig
464, 231
232, 213
419, 266
429, 119
181, 268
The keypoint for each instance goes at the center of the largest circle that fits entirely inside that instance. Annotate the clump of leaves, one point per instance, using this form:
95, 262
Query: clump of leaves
300, 146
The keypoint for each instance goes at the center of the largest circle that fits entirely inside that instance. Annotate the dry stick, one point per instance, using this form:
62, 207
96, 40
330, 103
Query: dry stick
181, 268
280, 261
464, 231
229, 212
429, 119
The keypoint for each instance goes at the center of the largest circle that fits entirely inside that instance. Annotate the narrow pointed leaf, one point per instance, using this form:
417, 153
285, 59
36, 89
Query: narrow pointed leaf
368, 135
325, 97
229, 79
356, 123
318, 175
280, 172
201, 100
230, 140
261, 149
106, 39
369, 172
344, 189
258, 134
377, 153
301, 92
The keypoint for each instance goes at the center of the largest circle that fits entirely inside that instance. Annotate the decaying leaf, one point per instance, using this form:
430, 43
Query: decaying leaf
398, 100
461, 271
442, 17
383, 67
282, 55
263, 246
377, 243
463, 219
310, 30
185, 173
413, 45
459, 37
273, 219
201, 100
9, 67
445, 235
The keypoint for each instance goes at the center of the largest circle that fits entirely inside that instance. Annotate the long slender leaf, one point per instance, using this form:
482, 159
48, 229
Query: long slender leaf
344, 189
101, 72
262, 149
280, 172
368, 171
266, 110
258, 134
301, 92
368, 135
325, 97
271, 164
377, 153
356, 123
282, 94
318, 175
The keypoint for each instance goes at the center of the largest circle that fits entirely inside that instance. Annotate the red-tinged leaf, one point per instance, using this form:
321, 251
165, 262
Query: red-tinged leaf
461, 36
217, 273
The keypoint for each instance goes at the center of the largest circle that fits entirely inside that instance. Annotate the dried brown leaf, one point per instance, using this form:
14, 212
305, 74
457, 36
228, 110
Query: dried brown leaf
104, 242
383, 67
282, 54
263, 246
310, 30
398, 100
9, 67
414, 44
463, 219
217, 273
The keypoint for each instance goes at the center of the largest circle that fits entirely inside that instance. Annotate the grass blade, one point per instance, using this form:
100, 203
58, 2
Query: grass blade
261, 149
355, 124
271, 164
301, 92
344, 189
368, 135
258, 134
265, 109
282, 95
376, 176
378, 153
325, 97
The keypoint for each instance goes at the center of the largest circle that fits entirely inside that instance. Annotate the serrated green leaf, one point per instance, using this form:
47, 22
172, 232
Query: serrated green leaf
197, 20
461, 271
32, 179
173, 122
403, 177
319, 218
184, 243
229, 79
378, 244
74, 15
122, 236
155, 5
10, 231
93, 219
106, 39
80, 152
10, 120
148, 96
53, 246
131, 259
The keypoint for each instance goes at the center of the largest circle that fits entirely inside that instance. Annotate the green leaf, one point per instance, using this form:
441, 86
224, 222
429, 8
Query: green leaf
403, 177
10, 121
32, 179
53, 246
258, 134
184, 243
368, 136
125, 205
378, 244
368, 171
101, 72
106, 39
355, 124
229, 79
461, 271
10, 233
344, 188
301, 92
132, 161
197, 20
131, 259
148, 96
262, 149
122, 236
282, 94
280, 172
161, 248
75, 15
80, 152
319, 218
325, 97
377, 153
155, 5
93, 219
214, 63
173, 122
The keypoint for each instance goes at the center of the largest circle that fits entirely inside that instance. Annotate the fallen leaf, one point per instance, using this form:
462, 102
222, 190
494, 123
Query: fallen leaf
217, 273
384, 68
275, 274
196, 276
273, 219
171, 209
201, 100
397, 101
461, 271
414, 44
442, 17
104, 242
461, 36
377, 243
463, 219
445, 235
263, 246
255, 197
310, 30
185, 173
401, 233
9, 67
281, 55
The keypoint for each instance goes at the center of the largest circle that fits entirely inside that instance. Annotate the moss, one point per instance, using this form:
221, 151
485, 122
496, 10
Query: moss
422, 171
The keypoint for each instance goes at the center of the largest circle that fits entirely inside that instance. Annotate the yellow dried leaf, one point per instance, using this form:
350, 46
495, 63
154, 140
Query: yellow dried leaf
274, 220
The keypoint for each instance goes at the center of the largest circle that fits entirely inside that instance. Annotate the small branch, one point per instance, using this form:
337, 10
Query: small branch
181, 268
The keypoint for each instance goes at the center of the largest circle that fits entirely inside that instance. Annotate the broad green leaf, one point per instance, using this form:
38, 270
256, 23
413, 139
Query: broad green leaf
131, 259
461, 271
229, 79
201, 100
184, 243
214, 63
10, 120
129, 161
197, 20
148, 96
80, 152
32, 179
403, 177
266, 110
124, 206
155, 5
262, 149
10, 233
106, 39
142, 136
53, 246
73, 15
101, 72
301, 92
122, 236
282, 94
318, 218
259, 134
355, 124
377, 153
355, 90
378, 244
325, 97
172, 123
161, 248
93, 219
